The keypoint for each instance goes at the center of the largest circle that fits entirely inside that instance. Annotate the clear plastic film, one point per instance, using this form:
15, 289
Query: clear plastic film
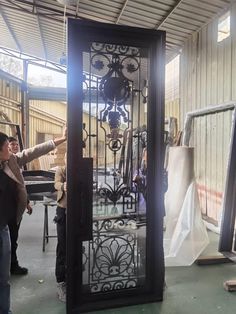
185, 236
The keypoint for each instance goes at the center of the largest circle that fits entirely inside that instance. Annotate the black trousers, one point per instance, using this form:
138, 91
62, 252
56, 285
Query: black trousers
60, 220
14, 232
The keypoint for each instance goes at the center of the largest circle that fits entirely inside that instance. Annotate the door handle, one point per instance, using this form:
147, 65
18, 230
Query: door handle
85, 229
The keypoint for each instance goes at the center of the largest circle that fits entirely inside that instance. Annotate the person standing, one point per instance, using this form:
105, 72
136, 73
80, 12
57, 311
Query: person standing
13, 201
60, 220
16, 269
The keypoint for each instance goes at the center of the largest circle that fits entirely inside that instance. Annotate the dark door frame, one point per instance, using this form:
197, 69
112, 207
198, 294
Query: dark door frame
80, 33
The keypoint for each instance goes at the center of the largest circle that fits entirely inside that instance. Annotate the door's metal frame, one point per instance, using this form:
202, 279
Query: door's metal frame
83, 32
227, 244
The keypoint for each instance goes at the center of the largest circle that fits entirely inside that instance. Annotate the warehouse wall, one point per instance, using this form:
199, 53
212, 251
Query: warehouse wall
46, 117
208, 77
172, 109
10, 100
172, 101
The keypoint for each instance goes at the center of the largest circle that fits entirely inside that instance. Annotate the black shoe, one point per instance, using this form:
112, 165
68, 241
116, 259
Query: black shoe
18, 270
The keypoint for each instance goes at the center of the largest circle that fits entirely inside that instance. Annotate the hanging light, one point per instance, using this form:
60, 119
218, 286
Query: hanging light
63, 58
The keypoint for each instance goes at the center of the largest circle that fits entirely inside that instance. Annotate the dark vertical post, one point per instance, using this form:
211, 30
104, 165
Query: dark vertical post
74, 162
229, 206
155, 167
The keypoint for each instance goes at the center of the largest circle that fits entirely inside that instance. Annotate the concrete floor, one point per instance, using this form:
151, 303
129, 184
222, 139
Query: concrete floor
190, 290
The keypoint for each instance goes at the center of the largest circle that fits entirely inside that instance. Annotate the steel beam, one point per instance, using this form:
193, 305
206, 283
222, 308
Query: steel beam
41, 31
51, 11
159, 25
33, 60
77, 9
121, 12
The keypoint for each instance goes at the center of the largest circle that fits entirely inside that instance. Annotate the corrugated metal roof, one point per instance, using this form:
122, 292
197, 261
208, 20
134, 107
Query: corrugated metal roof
36, 27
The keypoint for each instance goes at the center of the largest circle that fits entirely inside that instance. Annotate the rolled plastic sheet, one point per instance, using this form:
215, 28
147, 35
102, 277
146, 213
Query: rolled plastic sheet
185, 236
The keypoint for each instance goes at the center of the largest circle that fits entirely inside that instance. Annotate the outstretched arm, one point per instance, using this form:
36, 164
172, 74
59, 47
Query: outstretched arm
30, 154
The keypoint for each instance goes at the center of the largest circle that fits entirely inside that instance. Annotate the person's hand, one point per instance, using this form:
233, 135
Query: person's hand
61, 139
65, 187
64, 133
29, 209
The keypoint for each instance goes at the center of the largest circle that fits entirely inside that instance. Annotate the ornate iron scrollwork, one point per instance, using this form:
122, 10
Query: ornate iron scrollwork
114, 257
115, 90
114, 194
115, 87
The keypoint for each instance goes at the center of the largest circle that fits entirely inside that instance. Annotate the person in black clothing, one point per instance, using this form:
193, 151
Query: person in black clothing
16, 269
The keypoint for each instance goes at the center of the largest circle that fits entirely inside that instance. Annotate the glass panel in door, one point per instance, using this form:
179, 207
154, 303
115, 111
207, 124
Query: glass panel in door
115, 136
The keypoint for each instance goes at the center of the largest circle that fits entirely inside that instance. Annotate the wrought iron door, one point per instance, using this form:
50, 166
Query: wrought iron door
115, 166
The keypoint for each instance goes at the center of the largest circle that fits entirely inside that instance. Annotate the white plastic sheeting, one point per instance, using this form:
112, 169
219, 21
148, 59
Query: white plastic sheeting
185, 236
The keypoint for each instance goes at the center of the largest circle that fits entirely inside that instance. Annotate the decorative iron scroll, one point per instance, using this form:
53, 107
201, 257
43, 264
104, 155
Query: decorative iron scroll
112, 260
115, 62
118, 49
118, 67
114, 194
112, 224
